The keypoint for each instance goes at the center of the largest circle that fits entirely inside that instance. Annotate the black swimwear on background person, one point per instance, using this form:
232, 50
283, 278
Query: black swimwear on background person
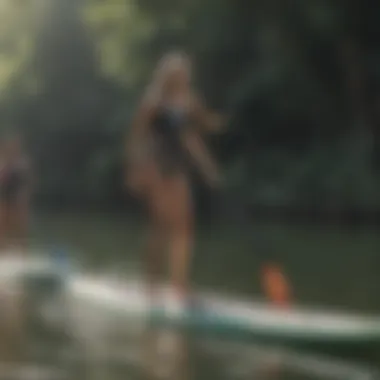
13, 179
168, 146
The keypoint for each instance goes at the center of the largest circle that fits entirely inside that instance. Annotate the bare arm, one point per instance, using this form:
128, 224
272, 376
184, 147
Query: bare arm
210, 121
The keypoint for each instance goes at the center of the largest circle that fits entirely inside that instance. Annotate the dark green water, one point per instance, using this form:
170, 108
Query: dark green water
327, 267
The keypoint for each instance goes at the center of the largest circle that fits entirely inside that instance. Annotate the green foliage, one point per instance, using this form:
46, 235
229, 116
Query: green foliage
119, 28
286, 71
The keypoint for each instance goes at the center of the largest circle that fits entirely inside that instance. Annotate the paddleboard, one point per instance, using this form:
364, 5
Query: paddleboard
229, 317
102, 303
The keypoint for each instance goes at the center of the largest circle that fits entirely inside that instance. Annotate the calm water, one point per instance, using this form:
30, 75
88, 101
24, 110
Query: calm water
327, 267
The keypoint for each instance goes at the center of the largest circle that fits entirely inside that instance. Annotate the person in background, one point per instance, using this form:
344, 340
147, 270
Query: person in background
166, 141
15, 190
15, 187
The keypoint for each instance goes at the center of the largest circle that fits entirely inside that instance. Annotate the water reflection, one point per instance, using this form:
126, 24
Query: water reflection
102, 343
171, 354
166, 354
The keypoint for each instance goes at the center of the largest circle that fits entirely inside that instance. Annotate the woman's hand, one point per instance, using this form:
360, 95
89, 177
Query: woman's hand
213, 177
210, 121
216, 122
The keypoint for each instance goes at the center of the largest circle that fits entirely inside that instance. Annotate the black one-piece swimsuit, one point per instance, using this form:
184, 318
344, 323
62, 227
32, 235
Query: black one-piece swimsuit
170, 152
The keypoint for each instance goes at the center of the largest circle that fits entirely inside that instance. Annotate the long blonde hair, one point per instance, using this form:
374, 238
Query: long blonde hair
163, 70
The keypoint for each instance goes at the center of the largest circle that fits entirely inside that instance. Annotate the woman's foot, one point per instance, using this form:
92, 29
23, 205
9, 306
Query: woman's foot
173, 304
176, 306
180, 305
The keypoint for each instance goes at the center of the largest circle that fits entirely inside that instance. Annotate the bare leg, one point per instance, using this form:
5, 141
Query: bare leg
153, 264
180, 250
11, 327
154, 257
157, 240
13, 323
181, 235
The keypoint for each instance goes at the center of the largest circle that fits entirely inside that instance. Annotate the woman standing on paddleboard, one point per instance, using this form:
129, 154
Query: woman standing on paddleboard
166, 141
15, 184
14, 192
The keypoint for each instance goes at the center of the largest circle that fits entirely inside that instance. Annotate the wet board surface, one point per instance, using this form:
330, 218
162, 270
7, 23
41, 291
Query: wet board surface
228, 316
102, 301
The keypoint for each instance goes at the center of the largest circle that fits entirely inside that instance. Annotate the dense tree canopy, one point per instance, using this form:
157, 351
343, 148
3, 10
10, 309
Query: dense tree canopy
299, 79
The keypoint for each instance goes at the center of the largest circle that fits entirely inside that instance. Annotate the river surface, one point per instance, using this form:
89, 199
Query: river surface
327, 267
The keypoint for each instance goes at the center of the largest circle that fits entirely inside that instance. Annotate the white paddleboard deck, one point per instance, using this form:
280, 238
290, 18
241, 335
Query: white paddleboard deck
129, 298
98, 301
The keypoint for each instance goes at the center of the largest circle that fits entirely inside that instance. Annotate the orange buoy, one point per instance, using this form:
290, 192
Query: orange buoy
275, 285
